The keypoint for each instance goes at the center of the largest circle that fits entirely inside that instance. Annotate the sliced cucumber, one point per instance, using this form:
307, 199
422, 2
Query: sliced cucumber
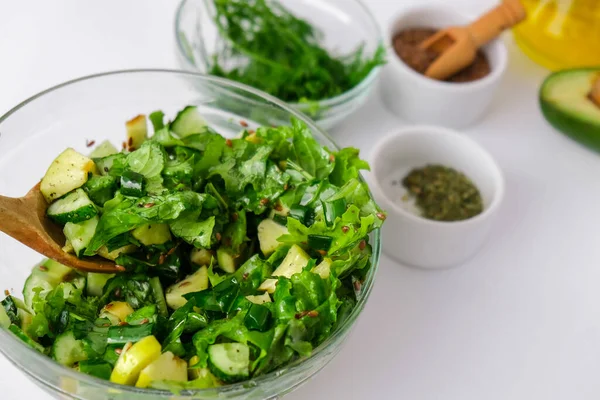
134, 359
226, 260
112, 319
132, 184
201, 256
11, 310
15, 310
75, 207
196, 282
67, 172
333, 209
96, 282
18, 332
188, 122
259, 299
52, 271
99, 369
117, 309
229, 361
4, 318
202, 377
566, 102
26, 319
152, 234
320, 242
67, 350
258, 318
35, 284
323, 269
104, 149
167, 367
101, 189
80, 235
280, 219
293, 263
68, 248
268, 233
137, 132
21, 304
79, 282
281, 210
44, 278
9, 306
302, 214
113, 255
112, 165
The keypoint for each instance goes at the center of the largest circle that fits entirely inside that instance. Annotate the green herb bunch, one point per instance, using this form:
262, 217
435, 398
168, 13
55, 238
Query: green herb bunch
282, 54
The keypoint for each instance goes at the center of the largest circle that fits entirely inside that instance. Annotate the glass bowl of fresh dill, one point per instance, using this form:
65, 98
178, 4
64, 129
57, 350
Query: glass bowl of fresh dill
323, 57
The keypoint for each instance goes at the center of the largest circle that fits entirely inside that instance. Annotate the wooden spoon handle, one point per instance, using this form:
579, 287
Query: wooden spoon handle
14, 219
494, 22
25, 220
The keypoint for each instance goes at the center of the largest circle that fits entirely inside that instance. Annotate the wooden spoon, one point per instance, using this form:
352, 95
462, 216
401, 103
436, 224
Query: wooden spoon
458, 45
25, 220
595, 93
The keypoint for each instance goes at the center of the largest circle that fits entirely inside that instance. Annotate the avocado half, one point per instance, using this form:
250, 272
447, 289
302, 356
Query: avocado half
567, 105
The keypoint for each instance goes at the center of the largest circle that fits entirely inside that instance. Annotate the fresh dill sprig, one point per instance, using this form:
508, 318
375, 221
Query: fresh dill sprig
264, 45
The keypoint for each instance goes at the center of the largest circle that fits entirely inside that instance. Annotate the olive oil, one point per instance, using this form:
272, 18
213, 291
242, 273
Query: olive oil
561, 34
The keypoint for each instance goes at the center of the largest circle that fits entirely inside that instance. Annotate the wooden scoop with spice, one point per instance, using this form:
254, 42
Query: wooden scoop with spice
457, 46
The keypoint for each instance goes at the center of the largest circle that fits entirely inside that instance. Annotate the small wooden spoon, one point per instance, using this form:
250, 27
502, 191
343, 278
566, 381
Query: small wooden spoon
458, 45
25, 220
595, 93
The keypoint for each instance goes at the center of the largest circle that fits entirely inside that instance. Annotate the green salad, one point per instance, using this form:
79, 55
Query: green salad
236, 256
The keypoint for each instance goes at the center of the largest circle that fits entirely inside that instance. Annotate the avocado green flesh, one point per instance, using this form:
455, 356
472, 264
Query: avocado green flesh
567, 106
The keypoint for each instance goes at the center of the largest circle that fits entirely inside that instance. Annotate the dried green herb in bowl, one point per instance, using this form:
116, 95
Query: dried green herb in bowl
443, 193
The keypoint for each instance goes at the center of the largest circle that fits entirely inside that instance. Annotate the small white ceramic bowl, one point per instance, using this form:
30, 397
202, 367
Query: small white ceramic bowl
419, 99
415, 240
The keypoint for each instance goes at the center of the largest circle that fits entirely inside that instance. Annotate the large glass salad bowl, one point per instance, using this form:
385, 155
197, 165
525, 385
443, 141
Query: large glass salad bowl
94, 109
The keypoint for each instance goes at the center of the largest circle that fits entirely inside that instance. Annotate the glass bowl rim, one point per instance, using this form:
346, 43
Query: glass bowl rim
9, 339
325, 103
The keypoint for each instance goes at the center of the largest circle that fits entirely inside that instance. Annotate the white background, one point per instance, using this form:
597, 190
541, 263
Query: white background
519, 321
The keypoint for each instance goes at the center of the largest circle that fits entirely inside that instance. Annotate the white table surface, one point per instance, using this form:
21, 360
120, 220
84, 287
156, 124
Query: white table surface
519, 321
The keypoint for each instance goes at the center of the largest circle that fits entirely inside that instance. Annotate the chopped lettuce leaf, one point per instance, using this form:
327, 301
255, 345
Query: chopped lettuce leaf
308, 153
347, 166
149, 160
123, 214
195, 232
347, 231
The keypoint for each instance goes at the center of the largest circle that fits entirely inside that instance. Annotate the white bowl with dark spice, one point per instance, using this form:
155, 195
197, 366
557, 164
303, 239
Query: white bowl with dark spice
457, 102
408, 235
